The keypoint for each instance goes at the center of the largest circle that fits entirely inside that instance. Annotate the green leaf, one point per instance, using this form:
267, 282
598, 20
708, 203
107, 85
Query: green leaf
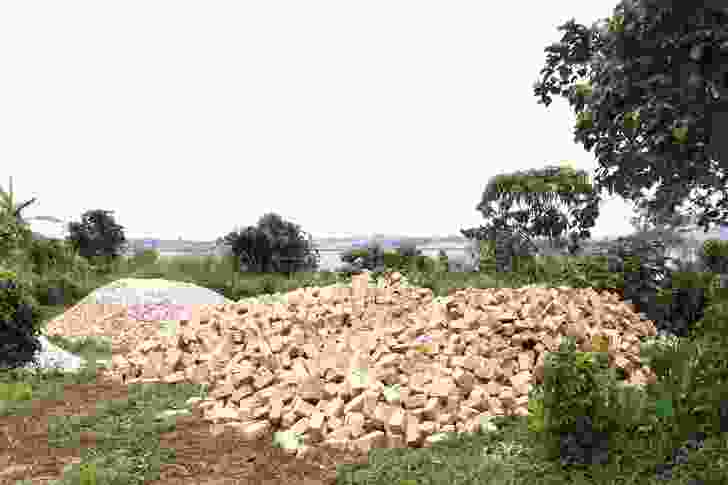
680, 134
663, 408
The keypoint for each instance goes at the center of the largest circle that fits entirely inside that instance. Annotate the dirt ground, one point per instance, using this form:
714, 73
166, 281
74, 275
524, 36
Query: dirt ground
204, 455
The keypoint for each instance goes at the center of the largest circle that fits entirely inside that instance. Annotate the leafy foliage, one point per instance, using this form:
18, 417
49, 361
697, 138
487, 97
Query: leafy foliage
370, 258
48, 254
654, 103
8, 205
540, 190
19, 322
13, 238
273, 245
574, 388
714, 255
97, 236
145, 258
408, 250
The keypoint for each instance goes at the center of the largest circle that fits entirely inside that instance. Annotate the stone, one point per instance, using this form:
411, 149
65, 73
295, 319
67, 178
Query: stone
325, 363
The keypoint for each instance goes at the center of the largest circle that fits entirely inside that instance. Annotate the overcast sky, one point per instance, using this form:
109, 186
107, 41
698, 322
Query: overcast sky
190, 119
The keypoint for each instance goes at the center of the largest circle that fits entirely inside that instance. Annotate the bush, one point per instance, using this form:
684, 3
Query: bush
19, 322
372, 256
714, 255
351, 255
47, 254
575, 387
144, 258
683, 300
273, 246
408, 250
15, 238
57, 290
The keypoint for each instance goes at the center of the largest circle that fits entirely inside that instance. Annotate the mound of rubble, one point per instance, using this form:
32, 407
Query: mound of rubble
343, 366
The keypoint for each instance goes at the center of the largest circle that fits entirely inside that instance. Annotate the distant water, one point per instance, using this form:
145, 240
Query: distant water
330, 257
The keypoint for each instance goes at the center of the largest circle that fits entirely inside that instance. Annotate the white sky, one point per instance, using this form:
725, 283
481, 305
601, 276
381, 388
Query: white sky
190, 119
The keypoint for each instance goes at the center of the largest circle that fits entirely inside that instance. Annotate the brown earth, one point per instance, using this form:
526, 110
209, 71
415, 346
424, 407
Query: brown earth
206, 455
291, 367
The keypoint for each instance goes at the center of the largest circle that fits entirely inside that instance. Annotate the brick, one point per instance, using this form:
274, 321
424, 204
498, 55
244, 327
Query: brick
252, 357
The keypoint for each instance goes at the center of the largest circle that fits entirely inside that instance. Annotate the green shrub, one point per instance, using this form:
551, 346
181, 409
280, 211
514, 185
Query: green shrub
350, 255
144, 258
714, 255
442, 259
45, 255
273, 246
392, 260
575, 384
408, 250
71, 290
487, 256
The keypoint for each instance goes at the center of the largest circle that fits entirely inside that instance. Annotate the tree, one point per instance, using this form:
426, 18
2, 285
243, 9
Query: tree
97, 235
651, 219
655, 101
15, 233
273, 245
8, 206
653, 223
541, 190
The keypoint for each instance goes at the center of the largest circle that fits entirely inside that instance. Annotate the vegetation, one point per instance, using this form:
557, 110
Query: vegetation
649, 89
647, 121
516, 450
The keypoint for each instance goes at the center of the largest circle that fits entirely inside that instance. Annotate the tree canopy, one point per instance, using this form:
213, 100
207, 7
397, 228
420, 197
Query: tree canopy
97, 235
654, 102
540, 190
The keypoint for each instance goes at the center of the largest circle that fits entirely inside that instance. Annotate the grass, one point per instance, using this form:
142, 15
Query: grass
127, 430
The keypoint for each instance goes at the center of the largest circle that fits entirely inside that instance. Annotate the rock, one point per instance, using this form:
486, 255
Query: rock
341, 365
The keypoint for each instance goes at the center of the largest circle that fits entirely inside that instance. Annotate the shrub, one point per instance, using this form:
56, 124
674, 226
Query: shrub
683, 300
644, 270
710, 366
14, 240
19, 322
575, 386
487, 256
273, 246
714, 255
144, 258
442, 259
97, 234
351, 255
48, 254
392, 260
408, 250
57, 290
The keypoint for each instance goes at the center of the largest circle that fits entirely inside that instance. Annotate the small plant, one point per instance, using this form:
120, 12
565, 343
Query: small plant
15, 391
575, 386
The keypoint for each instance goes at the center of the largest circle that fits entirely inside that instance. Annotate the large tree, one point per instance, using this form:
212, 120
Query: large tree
273, 245
542, 193
654, 102
97, 235
668, 226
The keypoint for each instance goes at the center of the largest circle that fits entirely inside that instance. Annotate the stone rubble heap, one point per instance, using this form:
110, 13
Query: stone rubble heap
342, 365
